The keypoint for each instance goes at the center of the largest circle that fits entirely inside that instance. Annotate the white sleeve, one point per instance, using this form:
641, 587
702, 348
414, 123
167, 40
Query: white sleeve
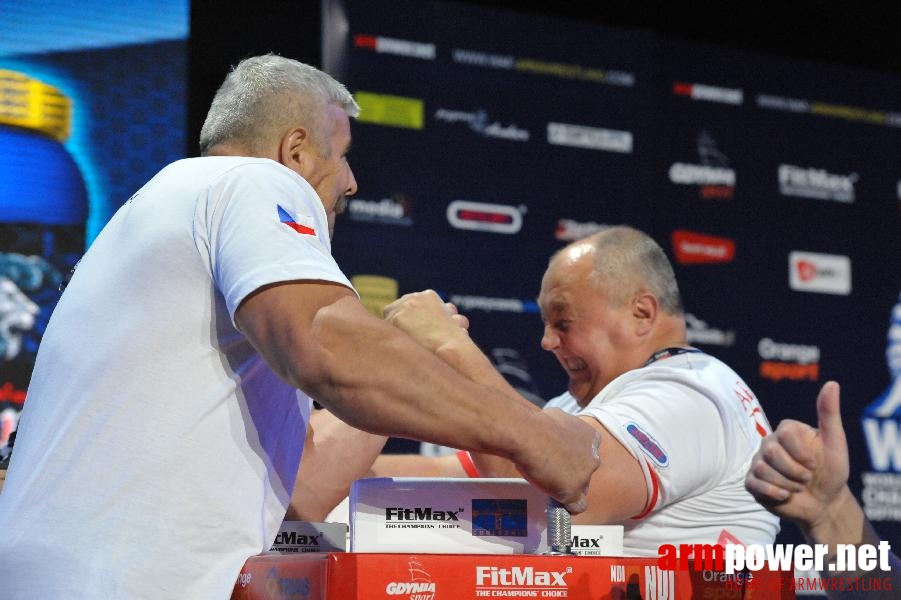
565, 402
263, 224
672, 429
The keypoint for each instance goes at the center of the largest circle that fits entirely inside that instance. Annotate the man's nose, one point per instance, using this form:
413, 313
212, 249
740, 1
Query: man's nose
351, 184
549, 339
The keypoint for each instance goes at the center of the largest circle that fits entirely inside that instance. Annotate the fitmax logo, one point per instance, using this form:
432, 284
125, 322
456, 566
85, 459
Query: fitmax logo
294, 538
520, 576
582, 542
398, 513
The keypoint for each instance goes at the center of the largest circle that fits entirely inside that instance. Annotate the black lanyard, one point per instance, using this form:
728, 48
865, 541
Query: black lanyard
667, 352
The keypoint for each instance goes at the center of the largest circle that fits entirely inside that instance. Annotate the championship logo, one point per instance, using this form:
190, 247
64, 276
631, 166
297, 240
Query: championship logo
881, 421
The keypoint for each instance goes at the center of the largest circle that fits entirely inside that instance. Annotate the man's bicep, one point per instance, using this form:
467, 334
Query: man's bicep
278, 321
618, 489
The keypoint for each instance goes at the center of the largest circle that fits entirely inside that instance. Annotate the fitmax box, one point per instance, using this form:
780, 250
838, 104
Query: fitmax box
303, 536
447, 515
597, 540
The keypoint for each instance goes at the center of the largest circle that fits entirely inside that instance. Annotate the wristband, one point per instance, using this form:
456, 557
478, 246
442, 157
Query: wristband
468, 466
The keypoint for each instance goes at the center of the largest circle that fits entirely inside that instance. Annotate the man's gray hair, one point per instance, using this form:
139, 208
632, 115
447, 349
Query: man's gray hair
627, 261
264, 96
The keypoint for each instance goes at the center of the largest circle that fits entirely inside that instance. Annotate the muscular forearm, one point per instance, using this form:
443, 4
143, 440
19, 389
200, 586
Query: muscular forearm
461, 353
440, 329
465, 357
372, 375
395, 386
335, 455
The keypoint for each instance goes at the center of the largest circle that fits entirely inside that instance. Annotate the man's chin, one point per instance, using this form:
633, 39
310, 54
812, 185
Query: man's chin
582, 391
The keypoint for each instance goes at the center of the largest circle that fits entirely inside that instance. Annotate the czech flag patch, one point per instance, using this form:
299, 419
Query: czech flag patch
286, 218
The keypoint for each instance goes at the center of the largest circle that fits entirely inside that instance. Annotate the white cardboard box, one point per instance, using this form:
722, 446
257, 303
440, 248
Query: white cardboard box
303, 536
597, 540
447, 515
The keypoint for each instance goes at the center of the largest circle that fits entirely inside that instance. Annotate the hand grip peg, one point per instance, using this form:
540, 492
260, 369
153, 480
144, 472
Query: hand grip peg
559, 529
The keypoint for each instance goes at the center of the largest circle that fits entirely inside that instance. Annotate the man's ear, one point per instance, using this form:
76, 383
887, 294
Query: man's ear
645, 307
292, 150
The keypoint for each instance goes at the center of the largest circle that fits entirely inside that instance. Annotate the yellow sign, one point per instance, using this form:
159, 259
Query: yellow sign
376, 292
394, 111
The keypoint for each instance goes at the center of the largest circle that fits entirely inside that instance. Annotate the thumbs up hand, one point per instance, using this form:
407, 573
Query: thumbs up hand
801, 472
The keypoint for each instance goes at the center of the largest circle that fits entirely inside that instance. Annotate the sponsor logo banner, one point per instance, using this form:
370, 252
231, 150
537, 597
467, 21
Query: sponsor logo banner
389, 211
568, 230
795, 362
387, 45
533, 66
713, 176
827, 109
689, 174
808, 182
593, 138
819, 273
693, 248
709, 93
393, 111
481, 123
699, 332
481, 216
513, 305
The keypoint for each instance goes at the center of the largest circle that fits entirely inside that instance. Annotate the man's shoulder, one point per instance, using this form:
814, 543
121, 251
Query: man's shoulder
212, 171
213, 165
695, 373
692, 364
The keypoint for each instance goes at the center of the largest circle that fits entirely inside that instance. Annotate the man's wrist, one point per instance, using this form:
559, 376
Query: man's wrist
841, 521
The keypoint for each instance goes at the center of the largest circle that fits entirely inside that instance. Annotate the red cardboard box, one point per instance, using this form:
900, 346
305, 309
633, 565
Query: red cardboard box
361, 576
273, 575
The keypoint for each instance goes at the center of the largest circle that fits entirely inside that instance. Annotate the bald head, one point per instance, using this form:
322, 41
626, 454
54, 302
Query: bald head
608, 302
624, 261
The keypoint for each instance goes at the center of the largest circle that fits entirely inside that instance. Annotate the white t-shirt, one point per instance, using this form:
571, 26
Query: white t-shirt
156, 450
694, 427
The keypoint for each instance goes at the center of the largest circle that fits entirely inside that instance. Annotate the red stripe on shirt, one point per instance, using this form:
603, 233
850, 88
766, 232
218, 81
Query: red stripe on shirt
655, 494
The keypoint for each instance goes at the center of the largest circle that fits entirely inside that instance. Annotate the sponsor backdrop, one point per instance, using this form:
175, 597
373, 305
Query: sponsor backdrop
773, 184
